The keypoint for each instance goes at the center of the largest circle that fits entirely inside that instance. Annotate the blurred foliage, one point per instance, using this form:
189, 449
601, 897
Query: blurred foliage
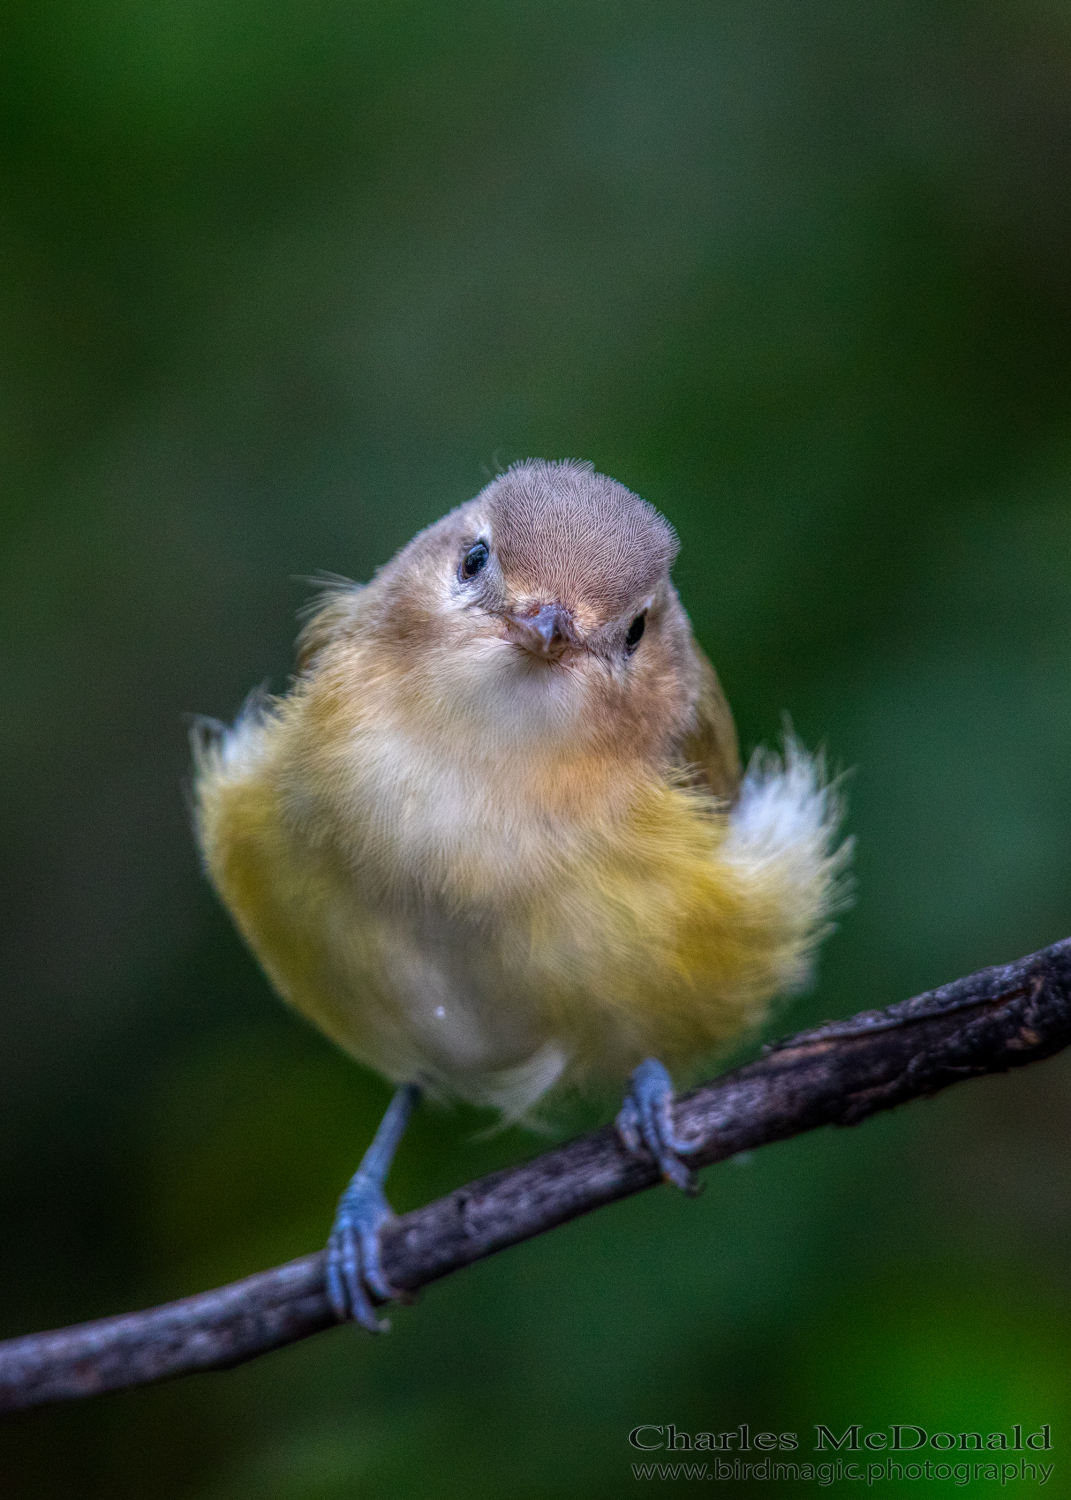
280, 283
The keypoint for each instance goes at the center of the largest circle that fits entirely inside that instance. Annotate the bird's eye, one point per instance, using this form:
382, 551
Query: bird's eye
635, 632
474, 559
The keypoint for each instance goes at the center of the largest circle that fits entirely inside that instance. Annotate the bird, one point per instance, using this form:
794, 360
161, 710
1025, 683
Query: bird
496, 840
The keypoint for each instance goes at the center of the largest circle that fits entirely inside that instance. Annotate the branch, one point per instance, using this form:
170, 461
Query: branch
839, 1074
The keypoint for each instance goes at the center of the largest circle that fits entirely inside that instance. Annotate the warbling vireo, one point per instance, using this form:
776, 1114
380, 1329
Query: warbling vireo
495, 837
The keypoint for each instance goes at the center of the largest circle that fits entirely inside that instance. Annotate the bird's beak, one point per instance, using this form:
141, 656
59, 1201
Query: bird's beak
547, 633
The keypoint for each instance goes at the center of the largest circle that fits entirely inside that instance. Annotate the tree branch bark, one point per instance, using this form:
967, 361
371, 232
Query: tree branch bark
839, 1074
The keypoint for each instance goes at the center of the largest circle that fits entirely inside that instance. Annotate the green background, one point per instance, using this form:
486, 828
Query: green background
281, 282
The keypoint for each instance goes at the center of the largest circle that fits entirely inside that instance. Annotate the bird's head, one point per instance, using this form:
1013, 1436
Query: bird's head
542, 607
560, 563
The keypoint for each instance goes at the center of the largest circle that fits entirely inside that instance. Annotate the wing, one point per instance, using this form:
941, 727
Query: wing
710, 750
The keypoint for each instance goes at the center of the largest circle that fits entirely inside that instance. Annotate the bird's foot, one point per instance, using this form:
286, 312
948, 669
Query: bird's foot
645, 1123
353, 1262
354, 1272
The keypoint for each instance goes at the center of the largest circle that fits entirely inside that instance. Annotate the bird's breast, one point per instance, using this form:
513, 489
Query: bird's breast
461, 821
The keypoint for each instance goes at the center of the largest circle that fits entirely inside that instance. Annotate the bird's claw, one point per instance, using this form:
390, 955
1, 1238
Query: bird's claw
353, 1260
645, 1123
